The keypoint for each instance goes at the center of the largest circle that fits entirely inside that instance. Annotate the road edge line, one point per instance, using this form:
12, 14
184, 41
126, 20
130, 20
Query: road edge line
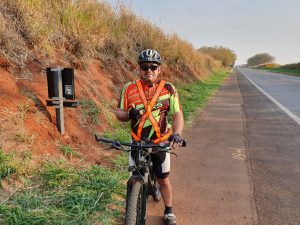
289, 113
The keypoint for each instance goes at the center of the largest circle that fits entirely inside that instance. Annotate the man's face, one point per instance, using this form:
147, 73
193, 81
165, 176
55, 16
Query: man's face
149, 72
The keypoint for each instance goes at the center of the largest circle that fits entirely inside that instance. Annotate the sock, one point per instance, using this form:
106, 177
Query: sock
168, 210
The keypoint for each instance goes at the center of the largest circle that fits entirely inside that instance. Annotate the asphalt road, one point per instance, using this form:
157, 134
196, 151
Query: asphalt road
284, 89
273, 143
242, 166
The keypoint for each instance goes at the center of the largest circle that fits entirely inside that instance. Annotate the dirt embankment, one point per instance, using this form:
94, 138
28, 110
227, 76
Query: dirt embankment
28, 125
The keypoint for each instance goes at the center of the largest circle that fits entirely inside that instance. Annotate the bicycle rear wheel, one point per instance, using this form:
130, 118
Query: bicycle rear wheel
136, 205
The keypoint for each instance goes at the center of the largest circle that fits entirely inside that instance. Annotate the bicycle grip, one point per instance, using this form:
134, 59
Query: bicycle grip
106, 140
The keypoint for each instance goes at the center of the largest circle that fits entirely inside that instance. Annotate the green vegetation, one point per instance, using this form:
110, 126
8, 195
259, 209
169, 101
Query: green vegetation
260, 58
6, 166
87, 29
292, 69
61, 194
194, 96
90, 111
225, 55
120, 131
67, 151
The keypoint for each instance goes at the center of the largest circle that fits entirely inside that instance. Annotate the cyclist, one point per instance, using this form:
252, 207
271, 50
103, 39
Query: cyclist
147, 103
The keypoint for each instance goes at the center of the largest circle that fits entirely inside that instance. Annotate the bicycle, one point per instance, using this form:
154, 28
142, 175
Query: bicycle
142, 181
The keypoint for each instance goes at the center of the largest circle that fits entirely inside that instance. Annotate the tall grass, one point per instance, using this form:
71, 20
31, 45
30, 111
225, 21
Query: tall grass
87, 29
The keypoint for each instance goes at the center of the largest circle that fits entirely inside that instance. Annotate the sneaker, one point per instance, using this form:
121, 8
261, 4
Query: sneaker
170, 219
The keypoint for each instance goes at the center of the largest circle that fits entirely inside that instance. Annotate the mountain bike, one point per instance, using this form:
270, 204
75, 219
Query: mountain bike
142, 181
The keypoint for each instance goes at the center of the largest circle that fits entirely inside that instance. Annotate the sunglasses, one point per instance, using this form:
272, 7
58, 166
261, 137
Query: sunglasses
147, 67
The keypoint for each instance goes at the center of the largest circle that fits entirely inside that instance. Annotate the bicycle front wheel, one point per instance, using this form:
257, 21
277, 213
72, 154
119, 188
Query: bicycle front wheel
136, 205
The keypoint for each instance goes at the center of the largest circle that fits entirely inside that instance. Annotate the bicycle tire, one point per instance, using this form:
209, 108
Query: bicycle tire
135, 208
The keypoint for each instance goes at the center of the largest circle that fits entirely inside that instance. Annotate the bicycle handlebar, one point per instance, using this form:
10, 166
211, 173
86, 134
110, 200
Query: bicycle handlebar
136, 144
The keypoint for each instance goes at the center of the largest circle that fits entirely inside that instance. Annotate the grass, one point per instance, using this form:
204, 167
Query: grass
284, 70
195, 96
68, 151
90, 111
291, 69
6, 166
62, 194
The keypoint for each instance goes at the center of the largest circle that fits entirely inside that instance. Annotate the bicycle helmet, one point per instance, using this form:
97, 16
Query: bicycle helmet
149, 55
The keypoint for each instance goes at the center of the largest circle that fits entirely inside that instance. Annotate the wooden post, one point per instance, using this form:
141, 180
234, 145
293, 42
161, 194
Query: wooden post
58, 93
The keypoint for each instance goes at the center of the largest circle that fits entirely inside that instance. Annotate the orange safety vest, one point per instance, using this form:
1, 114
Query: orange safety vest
148, 114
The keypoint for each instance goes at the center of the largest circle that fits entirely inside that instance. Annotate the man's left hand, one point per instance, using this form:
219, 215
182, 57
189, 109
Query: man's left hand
175, 140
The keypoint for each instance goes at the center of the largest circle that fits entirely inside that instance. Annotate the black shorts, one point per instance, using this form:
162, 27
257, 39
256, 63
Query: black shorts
161, 164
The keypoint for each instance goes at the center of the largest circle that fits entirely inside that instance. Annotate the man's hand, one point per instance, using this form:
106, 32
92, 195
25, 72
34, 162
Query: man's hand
175, 140
134, 114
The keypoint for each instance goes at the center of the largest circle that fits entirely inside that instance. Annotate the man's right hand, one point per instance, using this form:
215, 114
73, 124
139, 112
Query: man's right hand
134, 114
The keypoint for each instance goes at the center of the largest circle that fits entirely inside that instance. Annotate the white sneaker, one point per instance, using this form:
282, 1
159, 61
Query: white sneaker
170, 219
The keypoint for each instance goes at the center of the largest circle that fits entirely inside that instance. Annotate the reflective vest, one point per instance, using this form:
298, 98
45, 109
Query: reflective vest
148, 114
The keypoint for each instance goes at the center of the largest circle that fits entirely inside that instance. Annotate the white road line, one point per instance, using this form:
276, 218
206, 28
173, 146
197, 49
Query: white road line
289, 113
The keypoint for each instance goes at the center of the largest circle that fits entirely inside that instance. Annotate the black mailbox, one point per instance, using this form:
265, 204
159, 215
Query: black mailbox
68, 83
61, 92
65, 78
50, 81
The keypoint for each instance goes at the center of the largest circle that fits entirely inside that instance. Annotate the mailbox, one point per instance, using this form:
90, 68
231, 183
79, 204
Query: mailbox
68, 83
61, 92
50, 81
61, 80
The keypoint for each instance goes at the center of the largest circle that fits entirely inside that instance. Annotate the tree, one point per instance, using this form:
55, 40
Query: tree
225, 55
260, 58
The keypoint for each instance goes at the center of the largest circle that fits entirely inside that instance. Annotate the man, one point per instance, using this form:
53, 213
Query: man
147, 103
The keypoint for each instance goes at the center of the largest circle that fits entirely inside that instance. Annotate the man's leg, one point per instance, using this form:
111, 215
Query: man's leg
162, 170
166, 190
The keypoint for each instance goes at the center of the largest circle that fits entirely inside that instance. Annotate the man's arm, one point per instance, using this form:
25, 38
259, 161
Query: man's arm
122, 115
177, 122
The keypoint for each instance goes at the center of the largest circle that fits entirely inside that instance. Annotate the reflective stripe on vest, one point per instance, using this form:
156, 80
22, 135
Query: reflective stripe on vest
148, 113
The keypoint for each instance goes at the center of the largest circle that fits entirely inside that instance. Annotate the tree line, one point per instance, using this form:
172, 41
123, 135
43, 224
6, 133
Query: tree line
223, 54
259, 59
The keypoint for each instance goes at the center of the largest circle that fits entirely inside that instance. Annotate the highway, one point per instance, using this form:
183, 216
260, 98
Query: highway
271, 107
283, 89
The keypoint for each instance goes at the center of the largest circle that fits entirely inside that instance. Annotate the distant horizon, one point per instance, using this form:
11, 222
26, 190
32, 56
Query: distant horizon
248, 28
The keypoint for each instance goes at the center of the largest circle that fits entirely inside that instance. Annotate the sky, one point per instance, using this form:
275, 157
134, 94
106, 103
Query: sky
247, 27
